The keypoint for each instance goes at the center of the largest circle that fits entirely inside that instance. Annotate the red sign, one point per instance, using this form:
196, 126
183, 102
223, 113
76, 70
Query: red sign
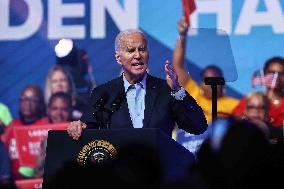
23, 143
29, 184
28, 141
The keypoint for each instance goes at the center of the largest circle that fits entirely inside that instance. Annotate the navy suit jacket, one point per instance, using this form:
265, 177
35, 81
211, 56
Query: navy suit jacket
161, 109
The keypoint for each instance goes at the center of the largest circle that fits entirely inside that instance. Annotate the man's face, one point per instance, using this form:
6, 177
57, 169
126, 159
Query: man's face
59, 111
133, 56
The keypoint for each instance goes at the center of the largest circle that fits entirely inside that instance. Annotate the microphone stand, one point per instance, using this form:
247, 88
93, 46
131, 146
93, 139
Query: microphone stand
98, 114
110, 113
115, 105
99, 111
108, 123
214, 82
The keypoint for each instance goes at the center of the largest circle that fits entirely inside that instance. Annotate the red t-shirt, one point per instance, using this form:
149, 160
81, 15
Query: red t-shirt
275, 113
10, 142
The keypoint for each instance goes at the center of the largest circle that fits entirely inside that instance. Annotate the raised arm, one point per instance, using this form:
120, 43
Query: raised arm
179, 53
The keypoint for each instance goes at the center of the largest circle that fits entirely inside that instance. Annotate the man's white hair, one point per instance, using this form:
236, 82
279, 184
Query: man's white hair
122, 34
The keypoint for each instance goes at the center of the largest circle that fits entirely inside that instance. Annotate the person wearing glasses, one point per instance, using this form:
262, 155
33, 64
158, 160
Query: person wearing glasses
31, 112
274, 93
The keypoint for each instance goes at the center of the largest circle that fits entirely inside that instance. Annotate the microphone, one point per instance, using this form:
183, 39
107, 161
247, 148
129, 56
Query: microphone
115, 105
99, 109
100, 103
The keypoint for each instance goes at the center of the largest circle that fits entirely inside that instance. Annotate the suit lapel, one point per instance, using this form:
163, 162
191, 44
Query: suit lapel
150, 99
123, 113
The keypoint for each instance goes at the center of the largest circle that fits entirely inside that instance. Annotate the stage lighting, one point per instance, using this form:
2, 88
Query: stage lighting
63, 47
75, 60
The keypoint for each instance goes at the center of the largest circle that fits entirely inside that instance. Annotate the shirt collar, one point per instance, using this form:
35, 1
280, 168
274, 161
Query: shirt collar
127, 84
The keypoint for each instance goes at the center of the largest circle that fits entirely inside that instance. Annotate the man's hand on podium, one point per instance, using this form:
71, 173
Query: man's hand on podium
75, 129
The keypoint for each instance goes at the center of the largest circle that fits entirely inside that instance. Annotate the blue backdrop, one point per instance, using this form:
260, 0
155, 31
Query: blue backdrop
29, 30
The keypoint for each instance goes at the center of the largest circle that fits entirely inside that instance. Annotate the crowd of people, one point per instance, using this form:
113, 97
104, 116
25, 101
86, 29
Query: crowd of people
254, 122
57, 103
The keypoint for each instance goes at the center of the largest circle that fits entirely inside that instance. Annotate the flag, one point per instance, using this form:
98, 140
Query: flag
188, 8
267, 80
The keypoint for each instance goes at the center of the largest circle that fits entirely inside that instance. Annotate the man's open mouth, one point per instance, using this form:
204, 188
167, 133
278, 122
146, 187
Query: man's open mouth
138, 64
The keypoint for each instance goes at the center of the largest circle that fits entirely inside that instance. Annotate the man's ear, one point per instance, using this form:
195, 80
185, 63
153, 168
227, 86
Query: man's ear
117, 58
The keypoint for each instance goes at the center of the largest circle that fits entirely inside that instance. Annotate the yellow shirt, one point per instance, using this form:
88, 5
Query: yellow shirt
225, 104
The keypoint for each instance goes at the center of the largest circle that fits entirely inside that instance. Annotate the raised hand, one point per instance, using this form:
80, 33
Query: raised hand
171, 76
182, 27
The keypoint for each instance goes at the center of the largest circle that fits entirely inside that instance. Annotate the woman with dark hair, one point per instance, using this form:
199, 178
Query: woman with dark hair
202, 93
59, 108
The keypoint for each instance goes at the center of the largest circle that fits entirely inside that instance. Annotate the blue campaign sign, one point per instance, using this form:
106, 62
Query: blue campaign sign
29, 30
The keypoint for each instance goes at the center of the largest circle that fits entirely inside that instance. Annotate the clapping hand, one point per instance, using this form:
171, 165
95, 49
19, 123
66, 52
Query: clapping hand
171, 76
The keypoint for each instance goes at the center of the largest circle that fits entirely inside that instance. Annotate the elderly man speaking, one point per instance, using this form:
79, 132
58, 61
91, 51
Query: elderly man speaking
144, 101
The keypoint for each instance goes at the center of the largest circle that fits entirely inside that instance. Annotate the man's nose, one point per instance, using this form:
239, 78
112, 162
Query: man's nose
137, 54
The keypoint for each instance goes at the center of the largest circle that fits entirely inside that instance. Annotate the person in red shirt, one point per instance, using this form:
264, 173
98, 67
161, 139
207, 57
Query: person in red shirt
274, 93
59, 110
32, 106
31, 112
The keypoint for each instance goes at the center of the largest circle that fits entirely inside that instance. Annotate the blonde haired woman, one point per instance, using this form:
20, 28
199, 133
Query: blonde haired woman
60, 80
